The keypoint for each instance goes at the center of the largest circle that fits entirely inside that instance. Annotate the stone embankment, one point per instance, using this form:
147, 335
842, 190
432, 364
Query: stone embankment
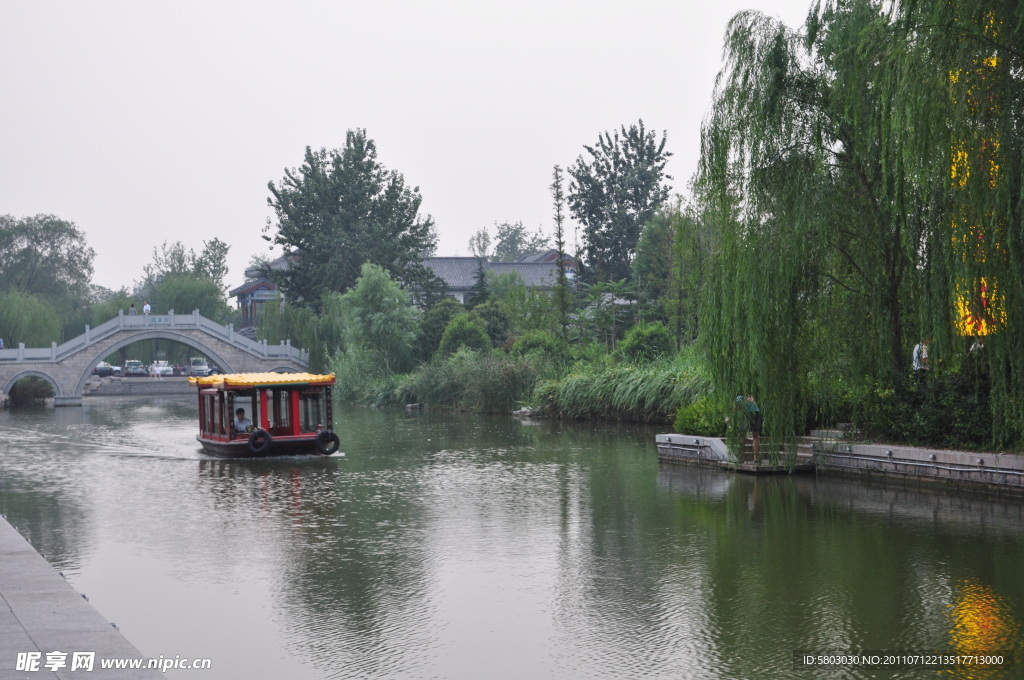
830, 453
43, 618
115, 386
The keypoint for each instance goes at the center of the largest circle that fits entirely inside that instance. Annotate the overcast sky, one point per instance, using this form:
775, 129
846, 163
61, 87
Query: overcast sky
143, 122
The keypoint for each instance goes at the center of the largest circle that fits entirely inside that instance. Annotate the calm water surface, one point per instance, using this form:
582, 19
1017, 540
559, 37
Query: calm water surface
452, 546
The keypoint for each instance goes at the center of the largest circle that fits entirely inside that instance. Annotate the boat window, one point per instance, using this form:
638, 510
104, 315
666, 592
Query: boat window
281, 408
311, 410
210, 426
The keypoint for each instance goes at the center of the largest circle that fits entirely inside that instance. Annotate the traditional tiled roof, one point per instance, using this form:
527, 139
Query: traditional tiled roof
243, 380
459, 273
251, 285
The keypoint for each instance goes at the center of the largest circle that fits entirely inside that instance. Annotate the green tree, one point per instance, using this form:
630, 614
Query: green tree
563, 294
465, 330
647, 342
433, 324
512, 242
27, 318
186, 292
379, 316
668, 268
479, 292
341, 209
499, 326
480, 243
613, 193
45, 256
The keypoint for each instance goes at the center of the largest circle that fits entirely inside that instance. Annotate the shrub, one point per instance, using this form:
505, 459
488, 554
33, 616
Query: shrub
648, 393
947, 411
464, 330
432, 327
647, 342
541, 342
701, 417
497, 322
472, 381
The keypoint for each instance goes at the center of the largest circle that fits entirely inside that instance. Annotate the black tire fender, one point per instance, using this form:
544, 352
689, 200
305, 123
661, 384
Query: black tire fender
327, 442
260, 441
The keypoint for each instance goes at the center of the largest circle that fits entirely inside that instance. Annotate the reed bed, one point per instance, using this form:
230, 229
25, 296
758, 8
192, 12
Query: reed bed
647, 392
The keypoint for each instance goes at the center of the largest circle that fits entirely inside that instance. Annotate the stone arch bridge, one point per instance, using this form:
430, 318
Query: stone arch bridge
67, 367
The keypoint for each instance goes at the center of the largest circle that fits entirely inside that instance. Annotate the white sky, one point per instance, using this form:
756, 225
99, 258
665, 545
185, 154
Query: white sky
143, 122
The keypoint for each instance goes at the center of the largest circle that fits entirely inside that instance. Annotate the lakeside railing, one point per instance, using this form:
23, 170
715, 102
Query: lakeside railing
193, 321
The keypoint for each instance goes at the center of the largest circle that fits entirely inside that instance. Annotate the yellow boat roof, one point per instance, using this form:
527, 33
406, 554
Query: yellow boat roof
245, 380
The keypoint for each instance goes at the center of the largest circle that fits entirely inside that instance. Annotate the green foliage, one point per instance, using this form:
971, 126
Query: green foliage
342, 208
186, 292
704, 417
497, 322
378, 316
480, 244
819, 225
528, 309
505, 284
479, 292
562, 295
541, 343
513, 242
613, 193
647, 342
175, 261
47, 257
464, 330
607, 310
668, 268
944, 411
321, 335
432, 326
473, 381
30, 391
28, 318
647, 393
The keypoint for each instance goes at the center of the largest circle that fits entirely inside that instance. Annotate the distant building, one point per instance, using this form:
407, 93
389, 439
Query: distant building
537, 271
458, 273
257, 290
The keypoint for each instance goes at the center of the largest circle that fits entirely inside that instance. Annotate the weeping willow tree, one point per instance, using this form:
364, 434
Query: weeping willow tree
826, 169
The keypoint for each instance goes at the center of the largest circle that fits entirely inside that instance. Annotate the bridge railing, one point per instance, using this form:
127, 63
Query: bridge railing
195, 320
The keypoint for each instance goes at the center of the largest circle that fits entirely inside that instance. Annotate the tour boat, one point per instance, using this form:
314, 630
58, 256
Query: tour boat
290, 414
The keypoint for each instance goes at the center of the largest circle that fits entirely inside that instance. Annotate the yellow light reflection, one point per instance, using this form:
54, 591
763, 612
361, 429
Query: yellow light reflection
982, 624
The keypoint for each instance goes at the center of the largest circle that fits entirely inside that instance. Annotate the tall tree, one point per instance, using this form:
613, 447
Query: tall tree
512, 242
379, 317
480, 243
815, 216
562, 293
45, 256
613, 193
342, 208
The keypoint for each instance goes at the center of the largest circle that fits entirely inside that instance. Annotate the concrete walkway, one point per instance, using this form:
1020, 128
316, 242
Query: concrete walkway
41, 612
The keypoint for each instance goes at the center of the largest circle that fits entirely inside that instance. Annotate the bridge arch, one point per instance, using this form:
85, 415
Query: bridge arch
184, 339
29, 373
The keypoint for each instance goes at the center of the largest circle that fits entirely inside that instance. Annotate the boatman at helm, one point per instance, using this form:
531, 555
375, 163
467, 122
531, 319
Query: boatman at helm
242, 424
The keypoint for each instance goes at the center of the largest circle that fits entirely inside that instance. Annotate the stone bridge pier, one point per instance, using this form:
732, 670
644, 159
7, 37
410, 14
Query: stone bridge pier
67, 367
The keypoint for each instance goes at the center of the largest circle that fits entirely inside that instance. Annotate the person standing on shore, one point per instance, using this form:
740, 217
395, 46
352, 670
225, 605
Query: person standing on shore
752, 422
920, 358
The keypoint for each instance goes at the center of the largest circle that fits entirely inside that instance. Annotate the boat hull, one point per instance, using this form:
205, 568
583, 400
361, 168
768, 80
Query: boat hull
280, 446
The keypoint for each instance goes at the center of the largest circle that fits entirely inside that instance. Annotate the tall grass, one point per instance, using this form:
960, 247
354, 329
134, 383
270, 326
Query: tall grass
648, 392
474, 381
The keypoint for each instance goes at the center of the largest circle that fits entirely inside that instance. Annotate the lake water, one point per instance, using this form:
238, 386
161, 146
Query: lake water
458, 546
